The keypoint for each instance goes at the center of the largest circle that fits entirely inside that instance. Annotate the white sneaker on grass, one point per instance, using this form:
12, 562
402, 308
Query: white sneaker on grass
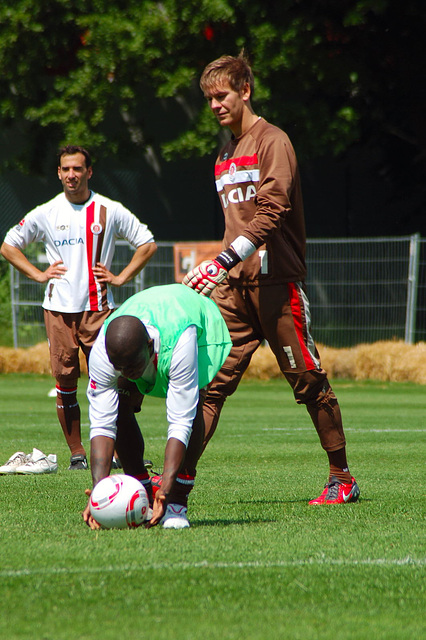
14, 461
175, 517
38, 463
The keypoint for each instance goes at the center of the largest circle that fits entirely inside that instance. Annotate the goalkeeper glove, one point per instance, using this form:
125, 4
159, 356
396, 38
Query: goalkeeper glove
205, 278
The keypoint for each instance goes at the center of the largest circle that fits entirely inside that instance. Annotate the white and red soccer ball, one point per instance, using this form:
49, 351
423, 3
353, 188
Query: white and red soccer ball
119, 502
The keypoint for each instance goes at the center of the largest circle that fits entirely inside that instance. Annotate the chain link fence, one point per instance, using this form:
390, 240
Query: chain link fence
360, 290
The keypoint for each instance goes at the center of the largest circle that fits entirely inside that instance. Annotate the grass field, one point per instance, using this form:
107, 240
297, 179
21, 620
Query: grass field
258, 562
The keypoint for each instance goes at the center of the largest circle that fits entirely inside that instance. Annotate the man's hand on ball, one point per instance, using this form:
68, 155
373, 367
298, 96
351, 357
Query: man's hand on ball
158, 509
205, 278
87, 516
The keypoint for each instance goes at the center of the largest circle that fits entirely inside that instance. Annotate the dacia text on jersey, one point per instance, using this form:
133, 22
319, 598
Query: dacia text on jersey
68, 242
242, 176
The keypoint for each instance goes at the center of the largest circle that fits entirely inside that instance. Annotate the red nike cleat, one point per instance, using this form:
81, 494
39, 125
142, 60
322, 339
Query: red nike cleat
338, 492
156, 483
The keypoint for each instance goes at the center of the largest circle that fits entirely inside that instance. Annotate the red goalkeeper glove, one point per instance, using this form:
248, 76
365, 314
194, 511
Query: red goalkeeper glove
205, 278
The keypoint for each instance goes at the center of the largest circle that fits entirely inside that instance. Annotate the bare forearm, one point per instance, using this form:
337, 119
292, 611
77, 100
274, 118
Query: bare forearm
140, 258
20, 262
101, 452
173, 460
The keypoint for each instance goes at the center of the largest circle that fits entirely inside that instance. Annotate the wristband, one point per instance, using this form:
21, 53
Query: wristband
228, 259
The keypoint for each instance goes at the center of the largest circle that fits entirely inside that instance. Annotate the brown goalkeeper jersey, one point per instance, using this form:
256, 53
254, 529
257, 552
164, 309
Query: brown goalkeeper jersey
258, 184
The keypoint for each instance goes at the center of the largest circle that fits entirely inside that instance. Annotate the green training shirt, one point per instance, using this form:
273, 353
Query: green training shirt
171, 309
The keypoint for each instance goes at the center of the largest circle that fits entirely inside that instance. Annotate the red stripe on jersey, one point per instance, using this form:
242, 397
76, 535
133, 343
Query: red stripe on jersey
102, 286
297, 311
93, 292
243, 161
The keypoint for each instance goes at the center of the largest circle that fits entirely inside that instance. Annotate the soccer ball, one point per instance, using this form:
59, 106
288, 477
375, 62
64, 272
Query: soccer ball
119, 502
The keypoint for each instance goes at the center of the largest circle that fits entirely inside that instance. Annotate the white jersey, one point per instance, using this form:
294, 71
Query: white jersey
80, 235
182, 393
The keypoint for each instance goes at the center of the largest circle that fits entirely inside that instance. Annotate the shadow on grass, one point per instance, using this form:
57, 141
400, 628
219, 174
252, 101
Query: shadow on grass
239, 521
264, 502
225, 522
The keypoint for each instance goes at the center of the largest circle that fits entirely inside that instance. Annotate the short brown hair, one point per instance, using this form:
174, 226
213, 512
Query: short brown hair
70, 150
236, 70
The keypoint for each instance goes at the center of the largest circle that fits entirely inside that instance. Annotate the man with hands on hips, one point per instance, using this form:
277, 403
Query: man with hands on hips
79, 229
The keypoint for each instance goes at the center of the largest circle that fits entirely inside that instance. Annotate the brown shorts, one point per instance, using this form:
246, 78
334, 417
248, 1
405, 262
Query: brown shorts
67, 333
279, 315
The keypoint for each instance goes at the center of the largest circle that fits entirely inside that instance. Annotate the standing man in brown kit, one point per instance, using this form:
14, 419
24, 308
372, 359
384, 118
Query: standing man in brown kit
258, 279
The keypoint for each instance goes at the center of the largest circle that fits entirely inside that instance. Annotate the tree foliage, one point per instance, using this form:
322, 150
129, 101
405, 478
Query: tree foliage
99, 72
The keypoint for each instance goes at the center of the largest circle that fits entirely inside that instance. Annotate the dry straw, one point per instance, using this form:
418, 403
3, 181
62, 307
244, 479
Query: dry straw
383, 361
32, 360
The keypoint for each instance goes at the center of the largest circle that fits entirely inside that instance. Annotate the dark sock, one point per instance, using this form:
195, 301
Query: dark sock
339, 465
68, 411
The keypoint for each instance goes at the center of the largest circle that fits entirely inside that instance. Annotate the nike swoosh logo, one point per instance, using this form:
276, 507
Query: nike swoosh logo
346, 497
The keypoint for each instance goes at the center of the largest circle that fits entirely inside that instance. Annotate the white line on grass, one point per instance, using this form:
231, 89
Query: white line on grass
289, 430
294, 429
374, 562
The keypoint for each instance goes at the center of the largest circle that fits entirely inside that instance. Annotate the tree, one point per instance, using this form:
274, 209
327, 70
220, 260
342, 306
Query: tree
94, 71
122, 76
331, 72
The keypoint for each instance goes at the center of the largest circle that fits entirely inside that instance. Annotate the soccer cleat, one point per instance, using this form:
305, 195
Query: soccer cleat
38, 463
115, 464
14, 461
338, 492
155, 483
321, 498
78, 461
175, 517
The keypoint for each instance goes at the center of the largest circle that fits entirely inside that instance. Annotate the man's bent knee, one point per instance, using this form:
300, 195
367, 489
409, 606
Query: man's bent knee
309, 387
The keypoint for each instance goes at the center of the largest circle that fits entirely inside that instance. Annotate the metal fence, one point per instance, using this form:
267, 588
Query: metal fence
364, 290
360, 290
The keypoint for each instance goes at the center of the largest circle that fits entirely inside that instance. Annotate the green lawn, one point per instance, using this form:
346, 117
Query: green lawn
258, 562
